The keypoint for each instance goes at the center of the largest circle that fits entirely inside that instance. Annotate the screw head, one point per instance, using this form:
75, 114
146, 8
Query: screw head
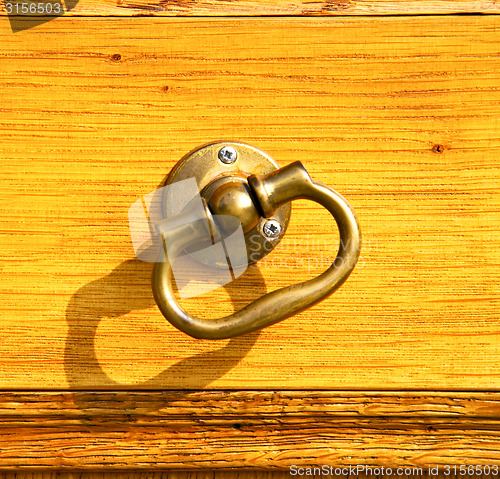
228, 155
271, 228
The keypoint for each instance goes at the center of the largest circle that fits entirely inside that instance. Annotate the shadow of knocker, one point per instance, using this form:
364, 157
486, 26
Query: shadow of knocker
128, 288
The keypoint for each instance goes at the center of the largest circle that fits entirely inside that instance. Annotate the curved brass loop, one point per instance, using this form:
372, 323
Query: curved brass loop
272, 190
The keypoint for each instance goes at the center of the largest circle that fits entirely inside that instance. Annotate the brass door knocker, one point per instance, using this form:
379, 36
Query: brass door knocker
237, 181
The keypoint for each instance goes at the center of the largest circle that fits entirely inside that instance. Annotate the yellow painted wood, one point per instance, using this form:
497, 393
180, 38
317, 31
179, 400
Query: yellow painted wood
277, 7
400, 115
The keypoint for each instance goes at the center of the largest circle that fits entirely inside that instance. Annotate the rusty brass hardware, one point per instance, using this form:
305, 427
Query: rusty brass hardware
253, 189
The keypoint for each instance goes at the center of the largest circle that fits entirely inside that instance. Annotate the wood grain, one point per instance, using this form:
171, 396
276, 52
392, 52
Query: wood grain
277, 7
400, 115
213, 474
246, 430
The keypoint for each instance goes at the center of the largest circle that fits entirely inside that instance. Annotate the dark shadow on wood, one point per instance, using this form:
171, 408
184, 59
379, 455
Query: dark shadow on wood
128, 288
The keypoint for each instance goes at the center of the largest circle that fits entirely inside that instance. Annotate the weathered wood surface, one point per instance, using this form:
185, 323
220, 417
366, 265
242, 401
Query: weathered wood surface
243, 430
220, 474
223, 474
274, 7
399, 114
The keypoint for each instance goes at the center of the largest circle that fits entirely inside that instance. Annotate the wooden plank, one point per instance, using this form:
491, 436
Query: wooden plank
213, 474
246, 430
273, 7
399, 114
223, 474
216, 474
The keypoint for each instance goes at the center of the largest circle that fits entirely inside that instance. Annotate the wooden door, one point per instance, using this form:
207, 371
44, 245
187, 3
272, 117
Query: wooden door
397, 111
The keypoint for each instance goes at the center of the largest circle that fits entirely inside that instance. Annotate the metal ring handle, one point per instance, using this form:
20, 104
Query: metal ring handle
272, 190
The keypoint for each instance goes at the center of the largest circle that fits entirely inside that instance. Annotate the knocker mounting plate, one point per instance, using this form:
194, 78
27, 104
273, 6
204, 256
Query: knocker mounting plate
225, 163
